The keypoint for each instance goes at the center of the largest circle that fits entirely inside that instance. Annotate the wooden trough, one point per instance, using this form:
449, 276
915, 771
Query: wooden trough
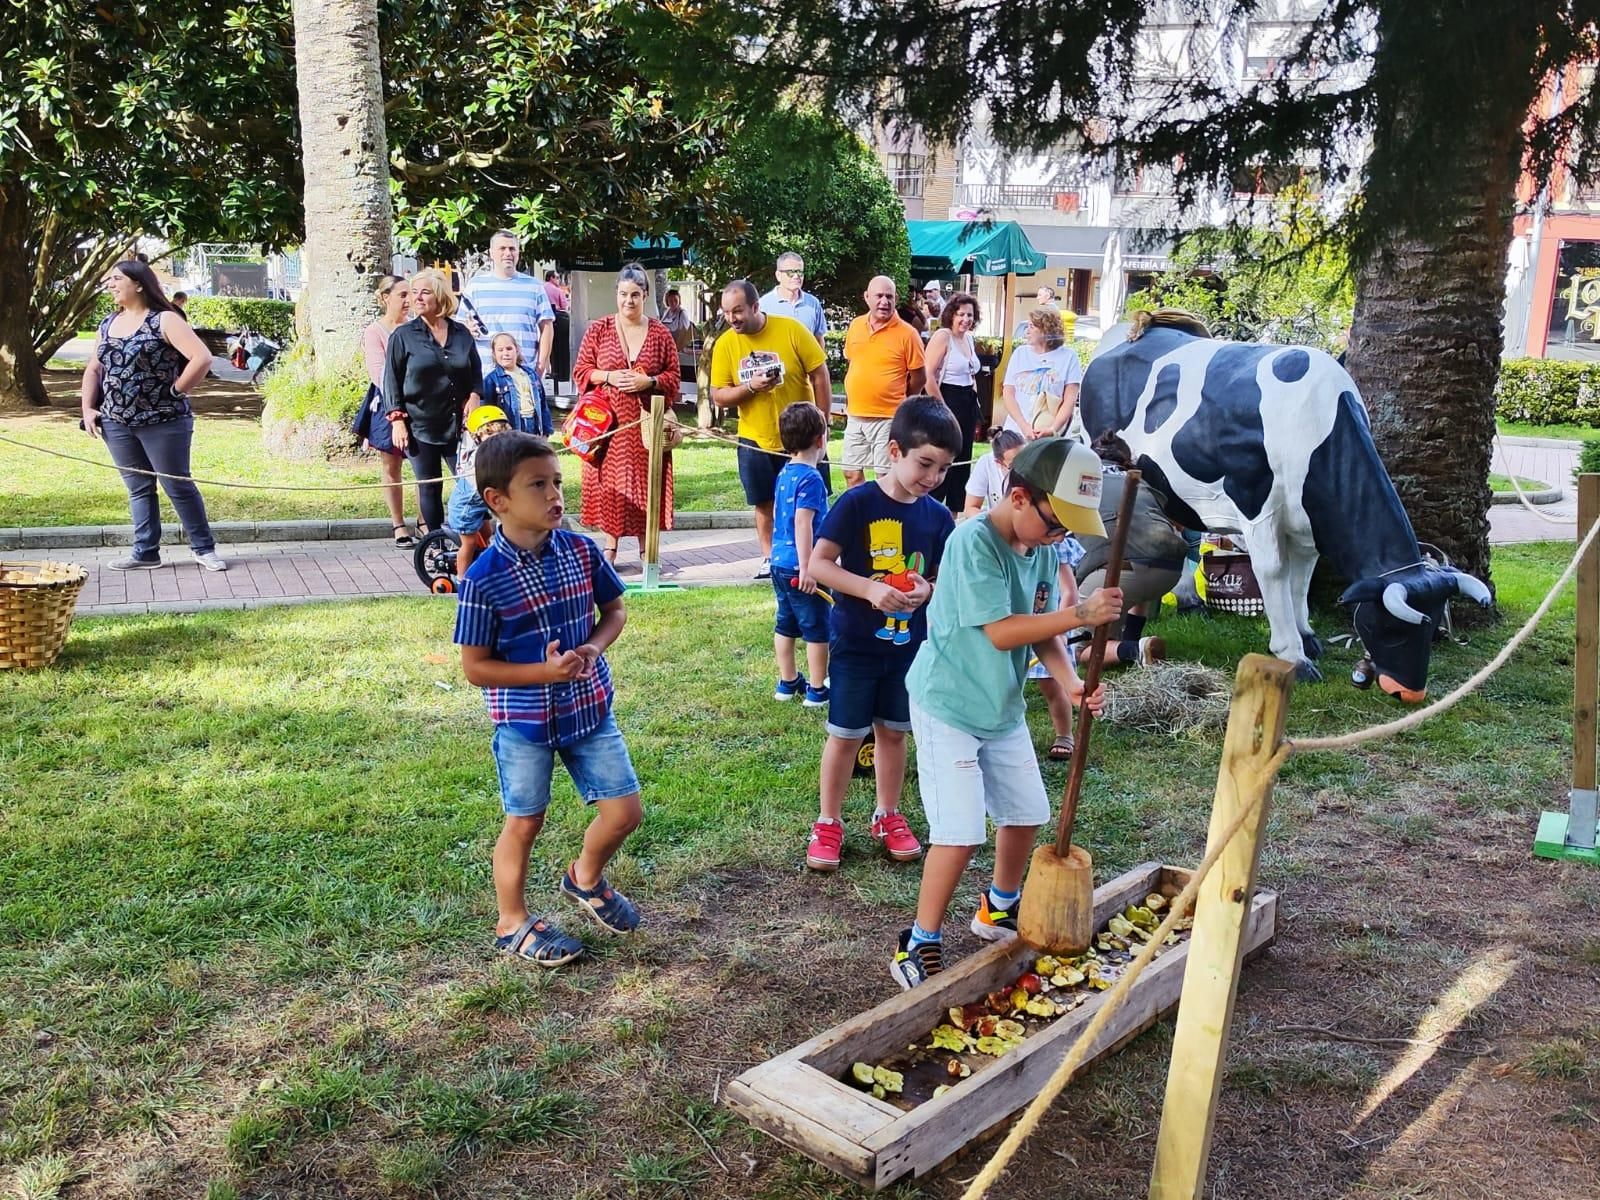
801, 1097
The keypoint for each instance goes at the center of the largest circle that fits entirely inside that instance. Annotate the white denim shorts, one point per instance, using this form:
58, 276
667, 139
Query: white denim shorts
963, 778
866, 444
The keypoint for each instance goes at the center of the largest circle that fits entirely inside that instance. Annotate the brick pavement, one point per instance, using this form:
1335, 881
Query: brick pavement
268, 573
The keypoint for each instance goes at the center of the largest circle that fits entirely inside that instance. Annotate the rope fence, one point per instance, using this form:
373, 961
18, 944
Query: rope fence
688, 431
269, 487
1516, 486
1119, 991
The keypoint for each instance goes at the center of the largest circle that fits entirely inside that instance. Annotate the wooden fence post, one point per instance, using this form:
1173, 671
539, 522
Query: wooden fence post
655, 447
1216, 947
1571, 835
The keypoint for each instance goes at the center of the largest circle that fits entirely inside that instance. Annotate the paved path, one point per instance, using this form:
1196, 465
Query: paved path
269, 573
1548, 462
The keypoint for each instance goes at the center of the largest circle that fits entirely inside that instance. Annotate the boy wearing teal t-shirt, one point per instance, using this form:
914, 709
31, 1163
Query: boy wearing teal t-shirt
995, 606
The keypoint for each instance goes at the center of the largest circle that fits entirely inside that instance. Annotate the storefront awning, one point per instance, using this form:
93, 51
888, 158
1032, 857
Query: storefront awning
940, 249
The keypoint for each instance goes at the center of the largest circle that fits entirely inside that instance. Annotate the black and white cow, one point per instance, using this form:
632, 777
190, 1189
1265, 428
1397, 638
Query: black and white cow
1272, 443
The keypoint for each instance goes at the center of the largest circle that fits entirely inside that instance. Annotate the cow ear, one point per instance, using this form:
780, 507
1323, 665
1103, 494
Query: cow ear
1362, 590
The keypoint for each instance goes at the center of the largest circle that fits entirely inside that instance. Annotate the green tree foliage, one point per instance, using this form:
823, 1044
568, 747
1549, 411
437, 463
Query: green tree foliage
543, 118
799, 180
1288, 282
128, 120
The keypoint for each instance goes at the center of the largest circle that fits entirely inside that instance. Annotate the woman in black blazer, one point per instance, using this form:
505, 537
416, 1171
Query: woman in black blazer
431, 376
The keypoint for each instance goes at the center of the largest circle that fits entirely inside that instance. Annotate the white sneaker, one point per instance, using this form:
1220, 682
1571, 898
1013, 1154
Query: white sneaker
210, 560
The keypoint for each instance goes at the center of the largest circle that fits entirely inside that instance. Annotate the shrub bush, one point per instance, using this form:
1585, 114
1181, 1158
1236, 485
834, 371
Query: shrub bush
1548, 391
307, 413
1588, 459
270, 318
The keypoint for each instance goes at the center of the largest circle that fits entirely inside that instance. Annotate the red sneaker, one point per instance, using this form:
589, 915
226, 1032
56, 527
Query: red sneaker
826, 839
891, 829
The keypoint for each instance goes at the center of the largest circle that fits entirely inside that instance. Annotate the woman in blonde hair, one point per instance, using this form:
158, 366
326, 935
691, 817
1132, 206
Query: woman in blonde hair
431, 376
1041, 384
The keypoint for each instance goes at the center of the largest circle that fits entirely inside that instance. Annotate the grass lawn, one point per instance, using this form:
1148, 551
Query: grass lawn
38, 490
1572, 433
244, 935
1502, 483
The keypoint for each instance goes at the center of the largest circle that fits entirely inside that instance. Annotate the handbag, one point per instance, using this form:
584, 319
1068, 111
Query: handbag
592, 418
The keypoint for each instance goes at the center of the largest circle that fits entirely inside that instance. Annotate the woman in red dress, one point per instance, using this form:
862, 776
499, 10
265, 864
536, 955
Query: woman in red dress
626, 358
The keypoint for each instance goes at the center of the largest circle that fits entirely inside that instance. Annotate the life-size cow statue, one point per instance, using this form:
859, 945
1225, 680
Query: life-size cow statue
1272, 442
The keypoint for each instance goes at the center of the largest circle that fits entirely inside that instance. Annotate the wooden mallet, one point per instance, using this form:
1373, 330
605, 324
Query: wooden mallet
1056, 914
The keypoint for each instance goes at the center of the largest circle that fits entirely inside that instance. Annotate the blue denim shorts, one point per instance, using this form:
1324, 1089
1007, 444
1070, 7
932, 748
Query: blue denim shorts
866, 689
467, 511
800, 615
599, 766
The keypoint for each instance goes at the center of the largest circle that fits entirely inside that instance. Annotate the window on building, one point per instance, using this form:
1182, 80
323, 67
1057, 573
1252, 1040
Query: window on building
907, 171
1262, 179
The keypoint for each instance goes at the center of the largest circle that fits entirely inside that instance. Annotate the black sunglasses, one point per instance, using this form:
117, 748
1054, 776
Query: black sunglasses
1052, 527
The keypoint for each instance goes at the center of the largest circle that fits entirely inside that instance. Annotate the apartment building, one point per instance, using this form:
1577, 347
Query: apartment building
1101, 227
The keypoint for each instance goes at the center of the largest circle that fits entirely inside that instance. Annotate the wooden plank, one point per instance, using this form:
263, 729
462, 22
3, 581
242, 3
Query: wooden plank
853, 1113
927, 1136
909, 1016
1586, 676
1220, 938
801, 1132
655, 485
1587, 673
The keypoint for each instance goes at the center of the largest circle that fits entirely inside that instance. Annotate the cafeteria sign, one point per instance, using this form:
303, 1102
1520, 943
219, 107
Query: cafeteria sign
1583, 300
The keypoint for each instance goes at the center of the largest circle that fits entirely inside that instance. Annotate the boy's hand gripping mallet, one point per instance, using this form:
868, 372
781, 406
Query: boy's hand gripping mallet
1056, 913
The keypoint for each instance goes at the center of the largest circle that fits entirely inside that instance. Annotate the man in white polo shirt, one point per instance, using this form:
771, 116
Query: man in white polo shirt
505, 300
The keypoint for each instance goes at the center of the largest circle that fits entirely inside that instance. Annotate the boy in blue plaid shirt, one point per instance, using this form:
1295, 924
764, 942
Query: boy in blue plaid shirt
528, 636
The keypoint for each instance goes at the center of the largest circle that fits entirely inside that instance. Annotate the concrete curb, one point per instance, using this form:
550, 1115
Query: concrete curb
1546, 496
140, 608
1545, 443
68, 537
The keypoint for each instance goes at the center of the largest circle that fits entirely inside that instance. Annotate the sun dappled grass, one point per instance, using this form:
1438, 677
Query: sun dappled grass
248, 894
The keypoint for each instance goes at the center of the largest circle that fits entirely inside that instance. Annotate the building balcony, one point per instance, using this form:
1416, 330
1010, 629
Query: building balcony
1065, 200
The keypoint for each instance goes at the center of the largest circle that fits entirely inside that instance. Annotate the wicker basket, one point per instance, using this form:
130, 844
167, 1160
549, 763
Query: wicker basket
36, 604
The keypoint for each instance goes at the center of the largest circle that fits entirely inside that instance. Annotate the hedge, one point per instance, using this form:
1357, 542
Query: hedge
1548, 391
271, 318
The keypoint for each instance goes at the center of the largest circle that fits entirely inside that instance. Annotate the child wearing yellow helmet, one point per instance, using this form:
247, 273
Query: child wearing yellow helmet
468, 515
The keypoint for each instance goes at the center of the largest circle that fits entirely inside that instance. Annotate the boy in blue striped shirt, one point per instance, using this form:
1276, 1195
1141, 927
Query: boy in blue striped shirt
526, 626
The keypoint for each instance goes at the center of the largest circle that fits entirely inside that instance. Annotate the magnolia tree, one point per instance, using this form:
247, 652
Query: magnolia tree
122, 121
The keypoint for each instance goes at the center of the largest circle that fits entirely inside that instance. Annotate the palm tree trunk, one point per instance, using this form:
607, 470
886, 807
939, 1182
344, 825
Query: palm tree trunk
1425, 340
349, 220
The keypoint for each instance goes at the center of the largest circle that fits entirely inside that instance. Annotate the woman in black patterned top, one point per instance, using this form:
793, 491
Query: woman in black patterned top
136, 396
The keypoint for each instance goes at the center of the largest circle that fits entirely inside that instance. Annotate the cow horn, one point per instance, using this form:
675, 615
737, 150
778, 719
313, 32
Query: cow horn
1471, 587
1399, 604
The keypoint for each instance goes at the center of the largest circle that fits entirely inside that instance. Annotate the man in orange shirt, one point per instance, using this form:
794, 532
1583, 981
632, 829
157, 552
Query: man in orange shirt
885, 357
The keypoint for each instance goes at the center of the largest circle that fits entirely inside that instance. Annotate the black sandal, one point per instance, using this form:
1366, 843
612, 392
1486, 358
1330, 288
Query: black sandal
402, 536
539, 942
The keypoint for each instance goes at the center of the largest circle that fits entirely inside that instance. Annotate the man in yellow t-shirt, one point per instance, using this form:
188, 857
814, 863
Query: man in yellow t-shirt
885, 357
760, 365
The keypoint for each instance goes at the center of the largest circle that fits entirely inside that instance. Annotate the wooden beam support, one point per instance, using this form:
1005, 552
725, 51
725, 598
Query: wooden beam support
1218, 943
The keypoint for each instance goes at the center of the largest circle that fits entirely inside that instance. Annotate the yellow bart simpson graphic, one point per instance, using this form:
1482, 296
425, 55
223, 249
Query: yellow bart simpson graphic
886, 546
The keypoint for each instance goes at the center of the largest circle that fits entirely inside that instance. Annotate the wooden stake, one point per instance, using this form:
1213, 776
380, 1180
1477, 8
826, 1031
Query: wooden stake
1097, 650
1249, 767
655, 448
1586, 675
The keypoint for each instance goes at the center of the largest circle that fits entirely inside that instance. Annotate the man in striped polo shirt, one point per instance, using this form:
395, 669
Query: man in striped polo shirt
506, 300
